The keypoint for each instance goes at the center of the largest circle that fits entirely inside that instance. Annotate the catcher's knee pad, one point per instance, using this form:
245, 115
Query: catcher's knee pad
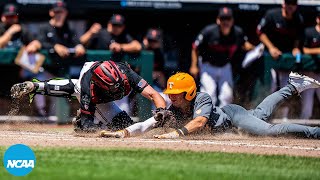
121, 121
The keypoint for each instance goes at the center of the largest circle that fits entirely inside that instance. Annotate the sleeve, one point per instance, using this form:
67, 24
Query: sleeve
2, 29
301, 34
203, 106
136, 82
265, 24
93, 41
141, 127
42, 37
75, 39
199, 41
27, 37
129, 38
306, 42
242, 37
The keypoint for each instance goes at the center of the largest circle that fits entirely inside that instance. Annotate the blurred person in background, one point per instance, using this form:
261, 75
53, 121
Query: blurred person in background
64, 49
63, 45
113, 38
212, 52
153, 42
281, 31
13, 34
311, 47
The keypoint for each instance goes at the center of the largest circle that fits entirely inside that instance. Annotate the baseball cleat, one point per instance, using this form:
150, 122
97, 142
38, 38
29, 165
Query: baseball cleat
22, 89
302, 82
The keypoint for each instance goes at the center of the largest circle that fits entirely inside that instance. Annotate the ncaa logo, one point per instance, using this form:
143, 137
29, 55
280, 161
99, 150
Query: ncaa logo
19, 160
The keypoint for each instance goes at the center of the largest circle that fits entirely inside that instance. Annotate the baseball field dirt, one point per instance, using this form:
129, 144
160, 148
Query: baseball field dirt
41, 135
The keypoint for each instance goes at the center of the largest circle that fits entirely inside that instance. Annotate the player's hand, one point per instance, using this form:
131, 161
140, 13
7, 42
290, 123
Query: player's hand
61, 50
118, 134
95, 28
170, 135
15, 28
295, 51
194, 71
79, 50
275, 53
33, 47
115, 47
163, 116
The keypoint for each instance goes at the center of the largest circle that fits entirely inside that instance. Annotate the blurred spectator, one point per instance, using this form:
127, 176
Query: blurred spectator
153, 42
13, 34
64, 49
113, 38
311, 47
281, 31
63, 45
215, 46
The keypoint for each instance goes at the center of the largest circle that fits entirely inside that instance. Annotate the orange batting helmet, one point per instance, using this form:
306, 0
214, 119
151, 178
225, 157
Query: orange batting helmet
181, 82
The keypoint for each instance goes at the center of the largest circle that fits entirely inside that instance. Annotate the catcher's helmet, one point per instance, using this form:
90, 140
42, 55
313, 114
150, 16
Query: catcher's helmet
181, 82
108, 76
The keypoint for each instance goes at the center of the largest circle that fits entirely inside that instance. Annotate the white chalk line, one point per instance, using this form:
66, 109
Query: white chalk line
69, 137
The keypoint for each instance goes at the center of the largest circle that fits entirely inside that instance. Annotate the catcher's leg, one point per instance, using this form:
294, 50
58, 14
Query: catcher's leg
58, 88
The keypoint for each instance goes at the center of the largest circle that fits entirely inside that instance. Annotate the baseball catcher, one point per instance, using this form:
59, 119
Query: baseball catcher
192, 111
99, 84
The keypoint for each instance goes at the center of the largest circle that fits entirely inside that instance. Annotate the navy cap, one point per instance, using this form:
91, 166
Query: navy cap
291, 2
10, 10
117, 19
225, 12
59, 6
154, 35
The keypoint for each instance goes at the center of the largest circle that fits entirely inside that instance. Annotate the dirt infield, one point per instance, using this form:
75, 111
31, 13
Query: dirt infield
63, 136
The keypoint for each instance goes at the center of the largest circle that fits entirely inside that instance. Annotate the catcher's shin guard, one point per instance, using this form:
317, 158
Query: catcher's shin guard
58, 88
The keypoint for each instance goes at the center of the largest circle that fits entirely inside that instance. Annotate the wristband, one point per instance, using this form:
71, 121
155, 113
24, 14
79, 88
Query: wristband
183, 131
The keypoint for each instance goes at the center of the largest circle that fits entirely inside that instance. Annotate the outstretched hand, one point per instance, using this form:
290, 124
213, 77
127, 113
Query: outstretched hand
170, 135
116, 134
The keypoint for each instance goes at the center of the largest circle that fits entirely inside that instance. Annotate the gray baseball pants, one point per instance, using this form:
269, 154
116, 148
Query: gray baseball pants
255, 121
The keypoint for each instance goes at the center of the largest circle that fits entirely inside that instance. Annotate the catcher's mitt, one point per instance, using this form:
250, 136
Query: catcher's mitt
164, 117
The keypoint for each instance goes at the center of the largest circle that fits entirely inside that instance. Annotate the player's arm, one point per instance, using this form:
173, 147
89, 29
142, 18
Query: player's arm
247, 46
160, 117
131, 47
193, 126
311, 51
194, 62
306, 46
6, 37
133, 130
141, 86
203, 108
194, 70
94, 29
151, 94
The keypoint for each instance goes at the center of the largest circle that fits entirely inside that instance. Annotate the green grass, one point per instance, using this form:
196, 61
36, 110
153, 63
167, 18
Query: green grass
86, 163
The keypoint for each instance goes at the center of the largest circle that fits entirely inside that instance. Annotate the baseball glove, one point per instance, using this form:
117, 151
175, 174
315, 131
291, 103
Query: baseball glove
163, 117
